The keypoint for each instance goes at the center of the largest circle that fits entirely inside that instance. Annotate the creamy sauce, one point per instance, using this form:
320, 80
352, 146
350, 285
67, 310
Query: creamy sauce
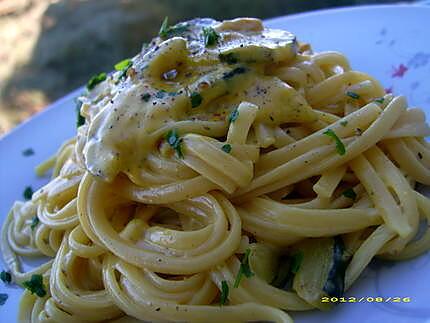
180, 79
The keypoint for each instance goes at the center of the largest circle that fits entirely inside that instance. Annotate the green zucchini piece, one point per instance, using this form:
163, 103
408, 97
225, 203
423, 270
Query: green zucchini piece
284, 276
288, 267
263, 261
270, 47
322, 271
335, 284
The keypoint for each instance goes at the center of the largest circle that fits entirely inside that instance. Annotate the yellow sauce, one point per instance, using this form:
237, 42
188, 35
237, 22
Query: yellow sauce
179, 79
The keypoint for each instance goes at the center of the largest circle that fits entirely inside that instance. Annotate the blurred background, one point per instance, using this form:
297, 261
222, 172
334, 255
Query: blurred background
50, 47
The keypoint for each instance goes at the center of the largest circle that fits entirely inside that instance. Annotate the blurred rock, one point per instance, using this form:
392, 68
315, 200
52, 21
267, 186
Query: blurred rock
8, 7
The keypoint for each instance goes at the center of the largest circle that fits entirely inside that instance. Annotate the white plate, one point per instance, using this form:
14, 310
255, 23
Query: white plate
388, 42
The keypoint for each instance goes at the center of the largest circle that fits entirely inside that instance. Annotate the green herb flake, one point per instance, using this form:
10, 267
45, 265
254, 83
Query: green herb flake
226, 148
232, 73
224, 292
210, 36
163, 33
233, 116
96, 79
145, 97
123, 66
343, 123
352, 95
340, 147
350, 193
3, 298
6, 277
296, 262
167, 31
196, 99
28, 193
244, 269
229, 58
34, 222
379, 100
175, 142
35, 285
28, 152
125, 63
80, 120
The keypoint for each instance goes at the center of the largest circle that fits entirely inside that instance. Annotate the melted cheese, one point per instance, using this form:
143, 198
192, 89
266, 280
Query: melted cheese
124, 115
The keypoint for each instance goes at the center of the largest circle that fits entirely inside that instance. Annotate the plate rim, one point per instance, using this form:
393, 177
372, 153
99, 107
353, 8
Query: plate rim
306, 14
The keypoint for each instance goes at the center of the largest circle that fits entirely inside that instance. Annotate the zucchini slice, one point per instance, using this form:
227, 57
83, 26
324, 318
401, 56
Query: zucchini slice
263, 261
322, 271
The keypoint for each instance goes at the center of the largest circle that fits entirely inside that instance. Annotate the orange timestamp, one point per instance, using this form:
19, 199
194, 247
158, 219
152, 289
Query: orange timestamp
364, 299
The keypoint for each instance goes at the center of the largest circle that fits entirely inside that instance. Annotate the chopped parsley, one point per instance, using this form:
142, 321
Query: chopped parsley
224, 292
352, 95
229, 58
96, 79
145, 97
80, 120
350, 193
28, 193
296, 262
226, 148
125, 63
35, 285
163, 33
123, 66
340, 147
236, 71
28, 152
174, 141
34, 222
379, 100
3, 298
210, 36
6, 277
244, 269
196, 99
233, 116
167, 31
343, 123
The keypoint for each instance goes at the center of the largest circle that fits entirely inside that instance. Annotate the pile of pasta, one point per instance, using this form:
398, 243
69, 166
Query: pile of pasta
220, 163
